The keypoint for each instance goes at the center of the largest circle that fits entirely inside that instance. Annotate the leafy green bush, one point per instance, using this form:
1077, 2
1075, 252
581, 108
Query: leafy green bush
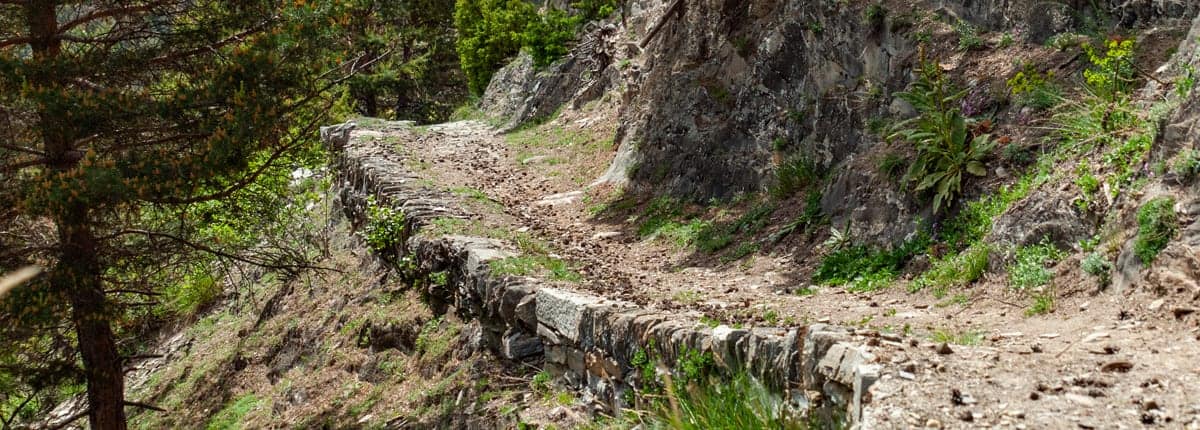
1029, 270
875, 15
546, 37
1157, 224
591, 10
386, 227
193, 293
947, 149
489, 31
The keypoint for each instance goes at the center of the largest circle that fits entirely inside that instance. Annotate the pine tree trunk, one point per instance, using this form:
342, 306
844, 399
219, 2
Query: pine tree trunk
77, 273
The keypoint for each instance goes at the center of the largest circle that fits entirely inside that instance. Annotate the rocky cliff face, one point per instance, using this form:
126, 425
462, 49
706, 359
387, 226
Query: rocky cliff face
726, 90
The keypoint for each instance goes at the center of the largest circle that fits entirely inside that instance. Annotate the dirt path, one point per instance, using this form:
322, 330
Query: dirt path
1098, 361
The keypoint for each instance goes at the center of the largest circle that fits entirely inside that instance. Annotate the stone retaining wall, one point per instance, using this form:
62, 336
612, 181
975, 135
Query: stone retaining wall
589, 342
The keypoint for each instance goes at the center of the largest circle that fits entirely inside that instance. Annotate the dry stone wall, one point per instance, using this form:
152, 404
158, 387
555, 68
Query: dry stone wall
589, 342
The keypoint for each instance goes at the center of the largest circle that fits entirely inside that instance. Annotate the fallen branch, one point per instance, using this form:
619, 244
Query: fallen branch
661, 21
144, 406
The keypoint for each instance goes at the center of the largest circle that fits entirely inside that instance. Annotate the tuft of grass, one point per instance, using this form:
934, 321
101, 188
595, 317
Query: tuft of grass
1043, 303
1029, 270
869, 282
954, 270
1157, 224
742, 250
969, 338
893, 165
716, 237
794, 174
537, 135
740, 403
687, 297
812, 217
474, 194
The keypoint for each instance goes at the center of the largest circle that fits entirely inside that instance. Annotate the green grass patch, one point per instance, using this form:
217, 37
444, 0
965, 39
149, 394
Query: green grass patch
436, 338
849, 264
1031, 266
968, 338
954, 270
233, 414
530, 265
547, 136
740, 403
1043, 303
717, 236
475, 194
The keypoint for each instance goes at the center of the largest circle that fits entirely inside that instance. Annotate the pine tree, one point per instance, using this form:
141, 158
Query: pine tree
113, 109
416, 75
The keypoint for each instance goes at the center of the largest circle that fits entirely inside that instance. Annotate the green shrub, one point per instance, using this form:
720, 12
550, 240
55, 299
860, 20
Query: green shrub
232, 415
1088, 184
546, 37
386, 227
1029, 270
1096, 265
968, 36
193, 293
1186, 83
947, 149
875, 15
591, 10
1157, 224
694, 365
489, 32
